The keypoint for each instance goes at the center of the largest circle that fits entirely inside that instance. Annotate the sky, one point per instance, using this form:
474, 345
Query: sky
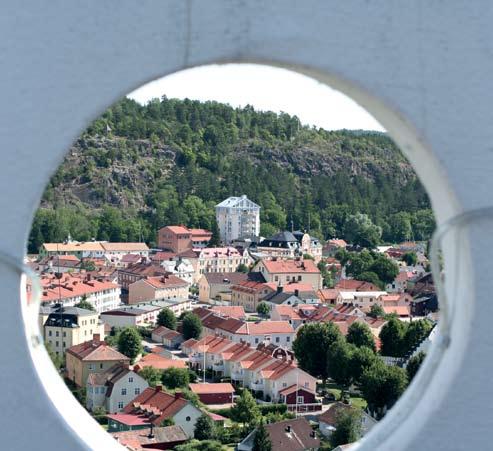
266, 88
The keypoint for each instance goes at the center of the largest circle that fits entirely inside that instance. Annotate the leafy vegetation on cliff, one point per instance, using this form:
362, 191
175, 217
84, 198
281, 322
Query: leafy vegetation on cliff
138, 168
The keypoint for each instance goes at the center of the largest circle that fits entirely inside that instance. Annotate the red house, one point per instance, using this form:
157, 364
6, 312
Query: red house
219, 393
307, 401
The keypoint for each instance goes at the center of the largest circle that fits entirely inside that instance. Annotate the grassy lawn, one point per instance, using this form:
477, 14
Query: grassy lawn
356, 399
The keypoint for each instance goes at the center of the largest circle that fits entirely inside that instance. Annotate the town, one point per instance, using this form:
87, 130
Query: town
239, 346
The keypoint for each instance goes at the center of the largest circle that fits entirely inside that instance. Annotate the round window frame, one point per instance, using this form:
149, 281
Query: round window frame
395, 429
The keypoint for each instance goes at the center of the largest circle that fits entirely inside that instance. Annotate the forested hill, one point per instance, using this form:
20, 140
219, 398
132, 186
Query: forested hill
138, 168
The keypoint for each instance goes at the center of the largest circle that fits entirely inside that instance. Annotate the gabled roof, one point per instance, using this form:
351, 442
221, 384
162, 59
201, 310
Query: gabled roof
139, 438
165, 281
121, 247
164, 405
230, 278
330, 415
233, 311
95, 350
290, 266
221, 387
297, 437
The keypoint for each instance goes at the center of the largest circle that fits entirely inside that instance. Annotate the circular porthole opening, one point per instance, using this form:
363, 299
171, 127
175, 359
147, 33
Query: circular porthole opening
244, 244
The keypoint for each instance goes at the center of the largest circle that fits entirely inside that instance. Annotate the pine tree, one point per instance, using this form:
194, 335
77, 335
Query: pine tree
261, 442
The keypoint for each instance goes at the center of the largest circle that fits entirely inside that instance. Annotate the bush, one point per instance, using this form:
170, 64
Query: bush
273, 408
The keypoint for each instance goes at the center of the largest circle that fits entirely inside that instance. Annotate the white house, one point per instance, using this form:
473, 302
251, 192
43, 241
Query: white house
237, 217
114, 388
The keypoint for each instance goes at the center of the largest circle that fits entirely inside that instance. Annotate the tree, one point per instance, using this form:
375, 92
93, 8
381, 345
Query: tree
382, 385
410, 258
242, 268
130, 342
376, 311
415, 333
203, 445
175, 377
414, 364
361, 359
261, 442
312, 345
263, 308
360, 230
347, 427
85, 304
359, 334
166, 318
246, 410
191, 326
204, 428
57, 359
370, 276
385, 268
87, 265
339, 362
391, 336
151, 375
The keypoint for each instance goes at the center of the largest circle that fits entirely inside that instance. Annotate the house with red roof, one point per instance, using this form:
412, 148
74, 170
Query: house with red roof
178, 238
94, 356
159, 362
283, 272
249, 293
166, 286
217, 285
231, 311
169, 338
166, 437
154, 406
215, 393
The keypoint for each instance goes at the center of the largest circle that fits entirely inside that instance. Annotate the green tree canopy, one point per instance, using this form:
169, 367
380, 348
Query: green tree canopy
204, 428
151, 375
85, 304
347, 427
312, 345
359, 334
262, 441
263, 308
130, 342
360, 230
410, 258
166, 318
246, 410
414, 364
191, 326
392, 336
175, 377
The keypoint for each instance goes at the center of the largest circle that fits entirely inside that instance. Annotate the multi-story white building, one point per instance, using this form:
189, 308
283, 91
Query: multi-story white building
237, 217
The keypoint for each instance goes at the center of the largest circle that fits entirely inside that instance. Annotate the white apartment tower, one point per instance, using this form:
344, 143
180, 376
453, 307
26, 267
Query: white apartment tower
237, 217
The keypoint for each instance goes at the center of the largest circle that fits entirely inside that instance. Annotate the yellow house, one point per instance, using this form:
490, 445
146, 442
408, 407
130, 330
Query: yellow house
167, 286
65, 327
94, 356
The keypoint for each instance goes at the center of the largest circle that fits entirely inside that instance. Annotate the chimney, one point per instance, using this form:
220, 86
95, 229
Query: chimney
96, 337
288, 428
296, 292
159, 387
178, 394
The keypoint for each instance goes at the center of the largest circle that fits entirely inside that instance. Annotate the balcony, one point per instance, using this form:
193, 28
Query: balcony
196, 358
237, 375
218, 366
257, 385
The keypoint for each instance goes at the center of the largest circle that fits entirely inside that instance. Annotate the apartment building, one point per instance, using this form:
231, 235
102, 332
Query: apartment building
166, 286
237, 217
178, 238
65, 327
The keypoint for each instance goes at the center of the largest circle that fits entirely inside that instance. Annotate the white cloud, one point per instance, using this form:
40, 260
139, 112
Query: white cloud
265, 88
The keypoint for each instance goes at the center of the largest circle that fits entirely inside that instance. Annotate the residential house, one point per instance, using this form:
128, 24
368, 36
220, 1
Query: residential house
169, 338
249, 293
93, 356
153, 406
91, 249
166, 437
284, 272
114, 252
328, 420
166, 286
59, 264
114, 388
215, 393
309, 245
65, 327
218, 260
180, 238
332, 246
70, 289
361, 299
217, 285
229, 311
180, 267
292, 294
287, 313
281, 245
287, 435
237, 217
355, 285
159, 362
135, 272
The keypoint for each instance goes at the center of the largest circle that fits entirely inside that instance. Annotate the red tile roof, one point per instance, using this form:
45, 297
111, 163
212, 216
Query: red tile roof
290, 266
166, 281
233, 311
163, 404
205, 389
95, 350
299, 438
159, 362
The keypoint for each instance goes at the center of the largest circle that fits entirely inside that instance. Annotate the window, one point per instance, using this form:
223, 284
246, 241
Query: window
96, 390
137, 391
300, 399
288, 339
56, 343
284, 385
307, 384
278, 339
91, 366
130, 379
124, 392
120, 406
64, 334
49, 333
101, 366
57, 333
256, 341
